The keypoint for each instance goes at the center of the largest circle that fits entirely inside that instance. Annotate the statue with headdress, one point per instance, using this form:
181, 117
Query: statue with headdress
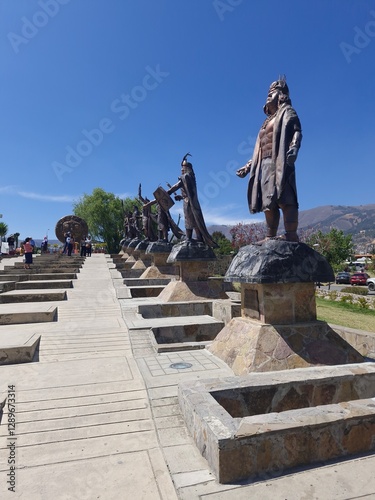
194, 220
272, 183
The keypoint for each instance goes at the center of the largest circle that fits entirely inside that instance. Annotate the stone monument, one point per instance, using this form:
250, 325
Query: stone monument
72, 224
278, 328
192, 254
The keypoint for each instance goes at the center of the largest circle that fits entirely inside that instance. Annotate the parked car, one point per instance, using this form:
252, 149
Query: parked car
359, 278
371, 284
343, 278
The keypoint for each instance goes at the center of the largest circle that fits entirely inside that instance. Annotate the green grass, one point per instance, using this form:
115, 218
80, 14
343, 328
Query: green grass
344, 314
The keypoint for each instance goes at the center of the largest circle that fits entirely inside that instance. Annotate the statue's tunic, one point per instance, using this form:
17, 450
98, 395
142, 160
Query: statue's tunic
272, 182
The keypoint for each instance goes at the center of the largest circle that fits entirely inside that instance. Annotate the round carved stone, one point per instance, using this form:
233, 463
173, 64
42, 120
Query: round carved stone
76, 226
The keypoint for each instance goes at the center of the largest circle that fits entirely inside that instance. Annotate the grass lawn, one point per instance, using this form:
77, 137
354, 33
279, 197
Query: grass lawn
348, 315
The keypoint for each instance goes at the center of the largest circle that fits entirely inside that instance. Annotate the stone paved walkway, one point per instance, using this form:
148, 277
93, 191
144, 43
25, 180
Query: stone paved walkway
98, 418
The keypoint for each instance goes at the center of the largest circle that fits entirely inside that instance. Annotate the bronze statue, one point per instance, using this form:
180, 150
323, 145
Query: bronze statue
148, 218
165, 221
131, 224
193, 215
272, 183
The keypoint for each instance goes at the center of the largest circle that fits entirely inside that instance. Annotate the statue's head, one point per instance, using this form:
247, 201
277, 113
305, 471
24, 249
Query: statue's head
186, 166
279, 91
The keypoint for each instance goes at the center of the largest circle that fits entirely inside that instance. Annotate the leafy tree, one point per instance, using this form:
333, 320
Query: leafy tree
225, 246
335, 246
104, 214
245, 234
3, 230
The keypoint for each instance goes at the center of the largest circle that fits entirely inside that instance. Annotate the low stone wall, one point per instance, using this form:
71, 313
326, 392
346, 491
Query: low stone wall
338, 297
271, 422
363, 342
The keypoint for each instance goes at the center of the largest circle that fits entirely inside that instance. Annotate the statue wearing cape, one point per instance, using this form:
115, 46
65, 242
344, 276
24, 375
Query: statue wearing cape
192, 210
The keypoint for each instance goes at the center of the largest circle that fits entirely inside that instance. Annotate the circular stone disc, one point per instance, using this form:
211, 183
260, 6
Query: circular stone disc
76, 226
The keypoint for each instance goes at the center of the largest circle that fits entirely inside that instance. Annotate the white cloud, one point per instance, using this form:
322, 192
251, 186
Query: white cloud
228, 215
122, 196
7, 189
47, 197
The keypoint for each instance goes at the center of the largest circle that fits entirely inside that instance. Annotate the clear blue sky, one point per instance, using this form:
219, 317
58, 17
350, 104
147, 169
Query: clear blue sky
159, 78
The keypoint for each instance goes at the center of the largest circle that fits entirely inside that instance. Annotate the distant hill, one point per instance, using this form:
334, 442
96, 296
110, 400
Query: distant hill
358, 221
351, 220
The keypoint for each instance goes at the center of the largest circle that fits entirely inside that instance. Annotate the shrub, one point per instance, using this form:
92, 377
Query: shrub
332, 295
355, 290
362, 302
347, 299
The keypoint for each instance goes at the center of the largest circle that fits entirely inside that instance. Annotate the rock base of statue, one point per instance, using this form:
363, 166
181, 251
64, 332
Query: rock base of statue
194, 283
130, 261
278, 329
158, 251
124, 243
142, 260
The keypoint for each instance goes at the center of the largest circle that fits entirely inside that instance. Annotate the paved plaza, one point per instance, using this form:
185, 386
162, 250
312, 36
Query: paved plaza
97, 416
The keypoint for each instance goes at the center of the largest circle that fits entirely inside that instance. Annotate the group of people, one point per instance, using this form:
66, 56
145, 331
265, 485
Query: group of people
86, 245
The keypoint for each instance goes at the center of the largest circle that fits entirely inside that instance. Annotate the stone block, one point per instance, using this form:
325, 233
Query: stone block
248, 345
266, 423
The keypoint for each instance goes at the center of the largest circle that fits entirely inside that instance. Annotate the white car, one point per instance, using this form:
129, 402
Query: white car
371, 284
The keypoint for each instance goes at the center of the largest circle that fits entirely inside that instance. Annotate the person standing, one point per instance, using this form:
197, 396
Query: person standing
44, 245
88, 244
69, 244
83, 246
10, 242
28, 249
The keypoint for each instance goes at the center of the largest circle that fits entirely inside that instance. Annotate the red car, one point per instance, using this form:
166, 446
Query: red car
359, 278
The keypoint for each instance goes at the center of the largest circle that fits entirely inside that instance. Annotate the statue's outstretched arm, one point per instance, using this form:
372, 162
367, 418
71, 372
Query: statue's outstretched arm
174, 188
243, 171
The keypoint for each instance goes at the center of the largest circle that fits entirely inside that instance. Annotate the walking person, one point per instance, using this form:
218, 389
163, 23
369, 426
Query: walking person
28, 248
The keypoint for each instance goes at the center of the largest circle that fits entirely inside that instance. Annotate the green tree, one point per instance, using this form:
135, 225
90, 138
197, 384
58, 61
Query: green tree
335, 246
3, 231
224, 245
104, 214
16, 236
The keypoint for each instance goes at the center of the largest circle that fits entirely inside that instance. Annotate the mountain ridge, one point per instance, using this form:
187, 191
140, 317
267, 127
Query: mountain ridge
356, 220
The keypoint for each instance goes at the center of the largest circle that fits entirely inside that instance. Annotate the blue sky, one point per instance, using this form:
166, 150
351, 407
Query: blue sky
113, 93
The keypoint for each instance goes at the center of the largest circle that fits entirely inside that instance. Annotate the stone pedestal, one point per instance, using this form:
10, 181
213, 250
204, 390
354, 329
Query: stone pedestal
278, 303
193, 283
158, 252
278, 329
124, 243
130, 261
142, 260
